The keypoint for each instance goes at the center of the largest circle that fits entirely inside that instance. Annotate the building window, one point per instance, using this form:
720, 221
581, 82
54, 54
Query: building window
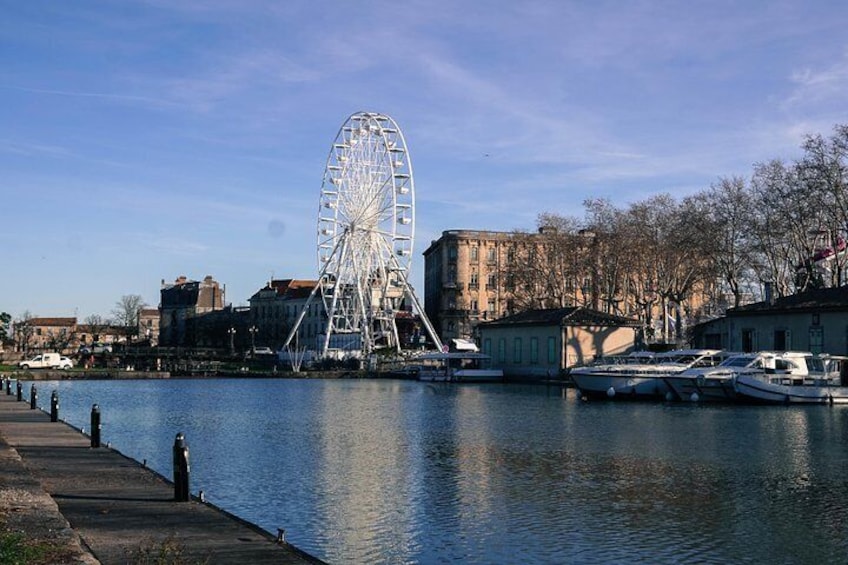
782, 340
749, 341
491, 255
552, 354
474, 306
502, 350
452, 253
451, 327
474, 282
816, 340
473, 252
490, 307
516, 350
491, 281
534, 350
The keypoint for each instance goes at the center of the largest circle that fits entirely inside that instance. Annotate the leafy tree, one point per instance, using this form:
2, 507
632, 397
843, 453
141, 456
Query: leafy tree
5, 322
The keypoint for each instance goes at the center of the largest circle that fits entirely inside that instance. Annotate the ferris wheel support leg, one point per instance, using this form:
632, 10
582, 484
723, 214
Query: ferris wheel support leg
302, 314
335, 302
396, 335
431, 331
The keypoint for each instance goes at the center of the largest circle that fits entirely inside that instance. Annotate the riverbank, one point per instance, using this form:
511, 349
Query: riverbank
121, 374
78, 504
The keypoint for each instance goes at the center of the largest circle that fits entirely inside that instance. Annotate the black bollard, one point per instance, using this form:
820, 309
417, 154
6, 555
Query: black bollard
181, 469
95, 426
20, 392
33, 397
9, 387
54, 407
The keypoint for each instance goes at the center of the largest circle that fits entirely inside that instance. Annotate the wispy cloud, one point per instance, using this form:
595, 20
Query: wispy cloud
813, 86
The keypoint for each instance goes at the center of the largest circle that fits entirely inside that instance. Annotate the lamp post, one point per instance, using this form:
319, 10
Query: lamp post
232, 332
253, 330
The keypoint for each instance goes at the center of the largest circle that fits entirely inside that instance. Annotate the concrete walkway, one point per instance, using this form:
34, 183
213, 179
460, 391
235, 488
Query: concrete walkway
120, 511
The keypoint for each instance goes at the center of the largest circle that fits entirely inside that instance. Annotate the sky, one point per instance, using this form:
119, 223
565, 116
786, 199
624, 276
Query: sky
142, 140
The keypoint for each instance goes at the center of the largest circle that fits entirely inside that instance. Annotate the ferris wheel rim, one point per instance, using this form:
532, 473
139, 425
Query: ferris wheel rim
398, 212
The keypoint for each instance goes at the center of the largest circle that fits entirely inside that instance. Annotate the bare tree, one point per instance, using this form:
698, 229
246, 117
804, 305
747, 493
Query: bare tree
824, 171
126, 314
547, 267
608, 255
786, 215
722, 217
24, 331
97, 325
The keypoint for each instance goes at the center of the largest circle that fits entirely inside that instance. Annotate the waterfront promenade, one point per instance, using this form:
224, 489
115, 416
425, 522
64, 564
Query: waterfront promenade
95, 505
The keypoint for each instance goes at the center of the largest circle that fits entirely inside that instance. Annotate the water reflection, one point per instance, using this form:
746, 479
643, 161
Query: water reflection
406, 472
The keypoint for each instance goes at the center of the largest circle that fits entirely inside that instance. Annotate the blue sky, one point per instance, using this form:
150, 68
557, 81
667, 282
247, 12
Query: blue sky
143, 140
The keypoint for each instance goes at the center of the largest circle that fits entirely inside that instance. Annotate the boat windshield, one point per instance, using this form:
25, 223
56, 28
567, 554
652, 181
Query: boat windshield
815, 365
740, 361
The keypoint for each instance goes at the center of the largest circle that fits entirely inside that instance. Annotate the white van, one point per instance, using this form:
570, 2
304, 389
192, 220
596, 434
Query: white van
46, 361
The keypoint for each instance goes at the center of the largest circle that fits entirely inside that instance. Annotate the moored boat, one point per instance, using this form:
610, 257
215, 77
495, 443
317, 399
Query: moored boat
641, 380
795, 378
458, 367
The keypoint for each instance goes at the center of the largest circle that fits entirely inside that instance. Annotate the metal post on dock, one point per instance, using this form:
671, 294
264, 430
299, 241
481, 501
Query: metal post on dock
8, 387
95, 426
54, 407
181, 469
33, 397
20, 391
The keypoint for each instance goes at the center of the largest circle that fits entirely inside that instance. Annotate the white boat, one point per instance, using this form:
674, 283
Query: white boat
795, 378
457, 367
643, 379
714, 384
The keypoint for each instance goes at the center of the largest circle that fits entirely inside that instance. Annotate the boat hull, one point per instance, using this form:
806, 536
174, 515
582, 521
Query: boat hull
462, 376
757, 390
701, 389
605, 385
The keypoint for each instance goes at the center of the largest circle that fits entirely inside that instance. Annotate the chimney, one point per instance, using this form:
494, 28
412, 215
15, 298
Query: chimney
768, 291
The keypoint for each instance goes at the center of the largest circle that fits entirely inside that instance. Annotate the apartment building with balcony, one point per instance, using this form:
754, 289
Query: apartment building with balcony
463, 283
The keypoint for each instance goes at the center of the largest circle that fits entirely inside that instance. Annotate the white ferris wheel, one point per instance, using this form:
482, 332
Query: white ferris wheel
366, 226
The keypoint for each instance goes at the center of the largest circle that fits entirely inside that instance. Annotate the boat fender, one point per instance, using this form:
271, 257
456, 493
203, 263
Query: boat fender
694, 397
610, 392
669, 397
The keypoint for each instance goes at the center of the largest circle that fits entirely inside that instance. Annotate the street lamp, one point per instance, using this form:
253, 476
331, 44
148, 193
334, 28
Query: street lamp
232, 332
253, 330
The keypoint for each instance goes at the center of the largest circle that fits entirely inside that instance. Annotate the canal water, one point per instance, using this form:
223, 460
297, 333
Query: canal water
382, 471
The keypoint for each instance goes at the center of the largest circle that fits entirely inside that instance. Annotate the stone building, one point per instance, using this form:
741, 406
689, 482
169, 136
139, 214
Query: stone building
544, 343
461, 282
275, 308
815, 321
148, 326
47, 334
182, 307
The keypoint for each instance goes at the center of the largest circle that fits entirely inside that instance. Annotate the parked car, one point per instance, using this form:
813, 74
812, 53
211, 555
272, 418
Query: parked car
95, 348
46, 361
